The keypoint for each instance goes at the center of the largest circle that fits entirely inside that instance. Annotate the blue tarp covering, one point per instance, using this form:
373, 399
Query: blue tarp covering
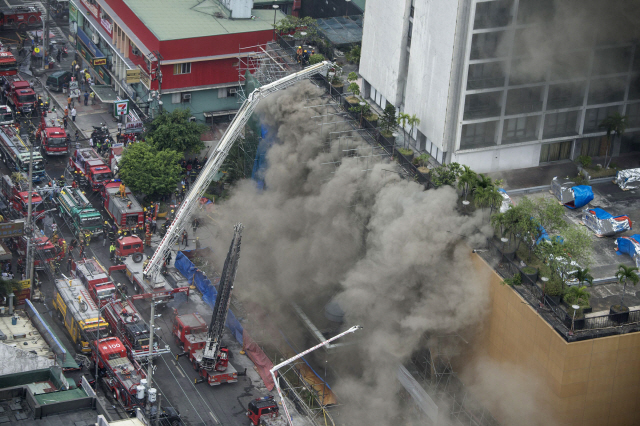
582, 195
543, 235
601, 214
209, 292
628, 245
260, 162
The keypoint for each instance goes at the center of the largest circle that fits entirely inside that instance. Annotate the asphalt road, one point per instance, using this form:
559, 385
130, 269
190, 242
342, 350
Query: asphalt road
199, 404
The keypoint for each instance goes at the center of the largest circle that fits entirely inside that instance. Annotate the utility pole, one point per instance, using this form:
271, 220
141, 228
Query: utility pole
150, 358
45, 35
159, 411
29, 228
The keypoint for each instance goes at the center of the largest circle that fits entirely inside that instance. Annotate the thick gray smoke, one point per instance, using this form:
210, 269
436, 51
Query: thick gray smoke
396, 257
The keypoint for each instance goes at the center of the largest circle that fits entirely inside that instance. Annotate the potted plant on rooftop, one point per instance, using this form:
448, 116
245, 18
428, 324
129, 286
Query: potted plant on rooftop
334, 76
554, 289
626, 274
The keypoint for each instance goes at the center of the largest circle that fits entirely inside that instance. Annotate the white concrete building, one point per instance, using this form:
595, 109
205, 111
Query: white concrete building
487, 94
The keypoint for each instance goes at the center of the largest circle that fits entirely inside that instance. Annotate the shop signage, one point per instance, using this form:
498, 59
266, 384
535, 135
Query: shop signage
73, 11
99, 61
121, 108
106, 25
74, 91
104, 75
133, 76
144, 78
93, 49
13, 228
91, 8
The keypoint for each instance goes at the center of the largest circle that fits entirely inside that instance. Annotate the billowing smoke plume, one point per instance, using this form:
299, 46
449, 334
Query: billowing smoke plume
396, 257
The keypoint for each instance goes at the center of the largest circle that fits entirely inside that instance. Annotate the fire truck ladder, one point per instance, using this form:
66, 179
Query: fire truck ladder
217, 158
221, 308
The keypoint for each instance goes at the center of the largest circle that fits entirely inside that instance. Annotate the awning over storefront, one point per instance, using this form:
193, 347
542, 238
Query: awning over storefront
210, 114
106, 94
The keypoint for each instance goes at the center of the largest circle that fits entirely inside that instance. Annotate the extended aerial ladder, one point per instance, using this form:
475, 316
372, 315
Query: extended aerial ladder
212, 357
217, 158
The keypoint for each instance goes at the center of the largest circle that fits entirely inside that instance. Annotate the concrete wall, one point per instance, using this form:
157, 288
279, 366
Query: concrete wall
383, 45
505, 158
591, 382
430, 66
202, 101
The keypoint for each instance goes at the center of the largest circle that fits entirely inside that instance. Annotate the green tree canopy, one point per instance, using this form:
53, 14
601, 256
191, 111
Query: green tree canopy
146, 170
173, 130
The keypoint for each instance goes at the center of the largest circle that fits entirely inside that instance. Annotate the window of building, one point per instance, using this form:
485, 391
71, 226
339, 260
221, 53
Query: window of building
630, 142
526, 71
566, 95
607, 90
594, 117
522, 101
560, 124
488, 45
482, 105
634, 86
410, 34
184, 68
611, 60
569, 66
534, 11
520, 129
181, 98
478, 135
555, 151
594, 147
633, 115
485, 75
492, 14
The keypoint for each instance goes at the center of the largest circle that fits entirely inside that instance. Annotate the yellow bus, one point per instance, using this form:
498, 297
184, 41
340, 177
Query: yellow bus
79, 313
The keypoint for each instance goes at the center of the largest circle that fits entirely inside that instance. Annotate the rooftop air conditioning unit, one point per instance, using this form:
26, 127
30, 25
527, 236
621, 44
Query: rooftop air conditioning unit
192, 119
186, 97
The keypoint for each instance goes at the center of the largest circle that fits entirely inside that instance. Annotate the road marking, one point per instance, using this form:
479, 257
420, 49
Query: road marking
7, 3
180, 371
214, 417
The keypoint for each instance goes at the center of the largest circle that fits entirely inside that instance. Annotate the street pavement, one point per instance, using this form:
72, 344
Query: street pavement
199, 404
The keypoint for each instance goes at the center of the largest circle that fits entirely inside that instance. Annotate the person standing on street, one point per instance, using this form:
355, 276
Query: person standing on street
119, 128
185, 238
65, 120
93, 97
112, 252
69, 100
86, 98
58, 55
73, 114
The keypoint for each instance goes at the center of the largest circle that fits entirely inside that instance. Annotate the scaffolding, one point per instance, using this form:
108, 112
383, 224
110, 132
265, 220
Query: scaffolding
432, 368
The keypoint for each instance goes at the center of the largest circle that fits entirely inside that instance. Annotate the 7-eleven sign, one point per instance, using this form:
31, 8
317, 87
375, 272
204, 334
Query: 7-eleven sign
121, 107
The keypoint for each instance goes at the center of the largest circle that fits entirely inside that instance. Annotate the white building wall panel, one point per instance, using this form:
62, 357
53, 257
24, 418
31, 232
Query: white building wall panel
517, 157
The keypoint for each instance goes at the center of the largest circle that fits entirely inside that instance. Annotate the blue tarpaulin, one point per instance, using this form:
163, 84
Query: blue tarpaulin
209, 292
601, 214
628, 245
582, 195
260, 162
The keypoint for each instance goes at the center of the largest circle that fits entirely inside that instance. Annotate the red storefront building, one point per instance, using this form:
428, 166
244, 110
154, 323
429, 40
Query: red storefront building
194, 44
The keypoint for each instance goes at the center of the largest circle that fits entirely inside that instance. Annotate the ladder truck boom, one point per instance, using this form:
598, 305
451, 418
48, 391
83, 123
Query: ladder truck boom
211, 359
217, 158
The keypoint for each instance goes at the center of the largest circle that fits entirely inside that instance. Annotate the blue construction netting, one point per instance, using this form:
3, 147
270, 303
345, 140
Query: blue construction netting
260, 163
209, 292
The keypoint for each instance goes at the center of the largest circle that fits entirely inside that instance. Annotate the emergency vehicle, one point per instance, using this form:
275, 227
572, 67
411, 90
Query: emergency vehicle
8, 63
78, 212
21, 95
47, 253
127, 324
14, 152
20, 17
78, 312
121, 376
127, 213
51, 134
6, 116
16, 193
95, 279
90, 164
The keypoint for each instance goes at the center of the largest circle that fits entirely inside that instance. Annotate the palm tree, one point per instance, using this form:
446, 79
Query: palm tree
413, 121
467, 180
403, 119
583, 276
615, 124
624, 275
487, 197
577, 295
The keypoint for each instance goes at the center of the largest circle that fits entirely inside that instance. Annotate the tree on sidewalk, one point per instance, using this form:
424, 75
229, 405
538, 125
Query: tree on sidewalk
146, 170
615, 125
173, 130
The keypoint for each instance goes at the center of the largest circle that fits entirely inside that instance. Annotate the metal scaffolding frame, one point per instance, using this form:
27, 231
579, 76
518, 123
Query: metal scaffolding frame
432, 368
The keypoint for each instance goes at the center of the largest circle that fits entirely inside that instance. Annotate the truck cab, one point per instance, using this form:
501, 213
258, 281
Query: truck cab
17, 195
262, 407
128, 245
6, 116
95, 278
87, 161
8, 63
22, 96
51, 133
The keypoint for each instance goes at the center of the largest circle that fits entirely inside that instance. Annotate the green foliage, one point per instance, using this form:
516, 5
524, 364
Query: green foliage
515, 280
583, 276
624, 275
315, 59
529, 270
388, 121
405, 151
488, 196
361, 109
577, 295
352, 77
467, 180
9, 286
174, 131
146, 170
615, 125
446, 175
354, 88
584, 161
353, 55
421, 160
297, 25
554, 287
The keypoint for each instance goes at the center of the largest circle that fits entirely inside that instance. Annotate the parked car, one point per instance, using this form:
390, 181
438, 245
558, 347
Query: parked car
56, 80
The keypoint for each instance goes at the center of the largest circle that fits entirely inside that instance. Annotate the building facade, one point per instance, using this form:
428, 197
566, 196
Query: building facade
504, 84
186, 52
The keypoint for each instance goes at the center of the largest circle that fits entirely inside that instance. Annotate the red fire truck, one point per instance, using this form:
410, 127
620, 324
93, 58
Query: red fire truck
8, 63
19, 17
126, 212
265, 411
21, 96
95, 279
51, 134
90, 164
46, 252
127, 324
120, 375
16, 194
